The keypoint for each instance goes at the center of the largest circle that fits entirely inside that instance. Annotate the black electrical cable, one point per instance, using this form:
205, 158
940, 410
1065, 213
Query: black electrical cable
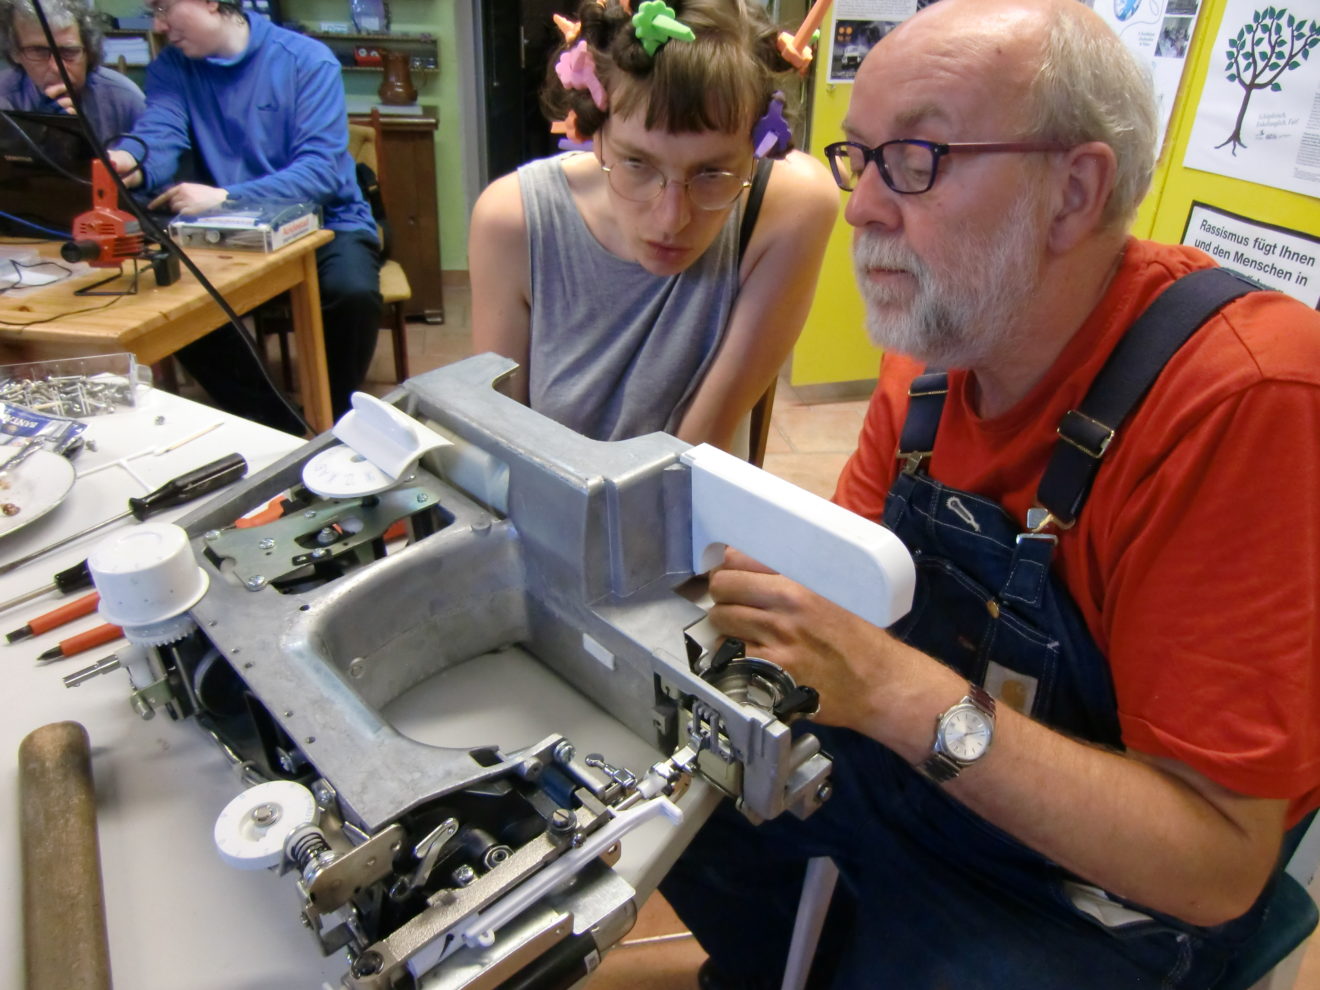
153, 229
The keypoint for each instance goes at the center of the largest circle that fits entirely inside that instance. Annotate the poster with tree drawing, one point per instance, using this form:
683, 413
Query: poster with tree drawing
1259, 113
1264, 50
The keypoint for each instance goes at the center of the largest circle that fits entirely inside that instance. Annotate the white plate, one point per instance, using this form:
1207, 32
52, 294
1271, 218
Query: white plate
36, 486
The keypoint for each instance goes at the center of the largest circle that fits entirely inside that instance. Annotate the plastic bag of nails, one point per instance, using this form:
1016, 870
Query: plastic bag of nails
75, 387
22, 426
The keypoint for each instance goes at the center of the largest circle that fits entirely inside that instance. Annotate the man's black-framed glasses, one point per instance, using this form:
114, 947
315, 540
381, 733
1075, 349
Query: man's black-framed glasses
40, 54
909, 165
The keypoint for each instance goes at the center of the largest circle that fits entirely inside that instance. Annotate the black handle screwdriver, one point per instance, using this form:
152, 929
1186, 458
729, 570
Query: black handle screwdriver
184, 488
73, 578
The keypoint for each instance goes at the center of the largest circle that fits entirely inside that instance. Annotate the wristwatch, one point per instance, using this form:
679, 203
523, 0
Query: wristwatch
962, 736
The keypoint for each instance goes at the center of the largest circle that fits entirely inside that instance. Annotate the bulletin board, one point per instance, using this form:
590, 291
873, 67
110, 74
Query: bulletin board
1281, 227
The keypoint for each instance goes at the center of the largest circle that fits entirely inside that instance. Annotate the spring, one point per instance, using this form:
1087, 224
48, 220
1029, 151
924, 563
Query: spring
305, 845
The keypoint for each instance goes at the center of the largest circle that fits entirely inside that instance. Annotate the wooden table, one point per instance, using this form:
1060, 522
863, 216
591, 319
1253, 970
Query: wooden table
51, 322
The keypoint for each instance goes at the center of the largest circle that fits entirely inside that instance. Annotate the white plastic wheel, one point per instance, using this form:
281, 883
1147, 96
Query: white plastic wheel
250, 832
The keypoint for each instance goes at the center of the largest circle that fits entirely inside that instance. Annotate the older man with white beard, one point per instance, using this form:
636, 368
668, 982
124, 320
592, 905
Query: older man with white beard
1072, 764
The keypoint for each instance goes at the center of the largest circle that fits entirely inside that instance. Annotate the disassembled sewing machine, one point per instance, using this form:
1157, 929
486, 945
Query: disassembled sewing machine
452, 523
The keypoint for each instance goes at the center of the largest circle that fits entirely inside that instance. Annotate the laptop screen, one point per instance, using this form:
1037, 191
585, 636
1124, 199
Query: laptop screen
45, 172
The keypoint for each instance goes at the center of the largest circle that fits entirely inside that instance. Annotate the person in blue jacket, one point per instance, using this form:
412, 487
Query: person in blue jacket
110, 101
262, 111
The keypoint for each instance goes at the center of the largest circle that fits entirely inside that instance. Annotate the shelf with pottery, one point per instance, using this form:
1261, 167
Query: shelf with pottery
360, 51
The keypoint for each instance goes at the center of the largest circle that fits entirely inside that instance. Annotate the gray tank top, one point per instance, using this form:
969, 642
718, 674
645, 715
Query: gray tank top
615, 351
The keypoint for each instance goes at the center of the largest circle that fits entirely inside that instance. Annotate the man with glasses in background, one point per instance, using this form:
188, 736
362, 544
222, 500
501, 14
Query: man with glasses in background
1071, 766
111, 101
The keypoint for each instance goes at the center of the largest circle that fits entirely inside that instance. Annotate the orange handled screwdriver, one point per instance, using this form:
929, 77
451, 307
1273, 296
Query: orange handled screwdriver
83, 641
47, 621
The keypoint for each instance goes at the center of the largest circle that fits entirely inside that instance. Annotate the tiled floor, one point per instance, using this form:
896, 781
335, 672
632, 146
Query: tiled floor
812, 433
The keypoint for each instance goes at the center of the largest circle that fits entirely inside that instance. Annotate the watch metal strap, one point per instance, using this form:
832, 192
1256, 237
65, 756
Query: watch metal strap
940, 767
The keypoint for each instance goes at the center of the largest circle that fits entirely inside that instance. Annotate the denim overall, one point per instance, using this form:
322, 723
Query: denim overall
933, 895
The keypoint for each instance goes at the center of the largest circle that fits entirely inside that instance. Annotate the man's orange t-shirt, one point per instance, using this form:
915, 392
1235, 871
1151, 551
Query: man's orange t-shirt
1196, 559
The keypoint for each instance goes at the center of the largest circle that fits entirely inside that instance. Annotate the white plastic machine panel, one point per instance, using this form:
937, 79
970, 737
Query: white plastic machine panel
855, 563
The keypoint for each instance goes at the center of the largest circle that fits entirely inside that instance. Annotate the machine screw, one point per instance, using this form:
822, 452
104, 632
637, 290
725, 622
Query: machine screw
211, 535
464, 875
368, 964
309, 514
159, 420
265, 815
266, 544
357, 667
562, 820
287, 761
256, 582
423, 497
824, 792
318, 553
563, 751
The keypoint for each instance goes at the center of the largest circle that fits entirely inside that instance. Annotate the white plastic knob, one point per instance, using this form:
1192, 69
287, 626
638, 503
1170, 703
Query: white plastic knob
250, 832
146, 573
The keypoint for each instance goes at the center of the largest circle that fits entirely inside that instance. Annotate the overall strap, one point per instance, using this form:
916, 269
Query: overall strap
759, 181
1085, 433
925, 406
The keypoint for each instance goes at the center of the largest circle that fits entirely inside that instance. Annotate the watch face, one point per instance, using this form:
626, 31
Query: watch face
965, 734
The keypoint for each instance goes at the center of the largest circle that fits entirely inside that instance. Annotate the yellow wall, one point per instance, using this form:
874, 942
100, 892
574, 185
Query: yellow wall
833, 346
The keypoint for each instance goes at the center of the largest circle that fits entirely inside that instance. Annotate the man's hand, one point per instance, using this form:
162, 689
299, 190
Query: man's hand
60, 94
127, 166
1153, 830
846, 659
189, 197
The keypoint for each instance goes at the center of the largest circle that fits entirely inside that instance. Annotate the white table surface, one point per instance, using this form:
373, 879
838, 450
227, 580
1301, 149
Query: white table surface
178, 917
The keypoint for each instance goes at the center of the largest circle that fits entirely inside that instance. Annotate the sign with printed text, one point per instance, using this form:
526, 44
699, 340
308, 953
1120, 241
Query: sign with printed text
1276, 257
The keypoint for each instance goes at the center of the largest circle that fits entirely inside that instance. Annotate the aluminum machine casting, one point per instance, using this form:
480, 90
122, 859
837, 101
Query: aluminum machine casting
498, 530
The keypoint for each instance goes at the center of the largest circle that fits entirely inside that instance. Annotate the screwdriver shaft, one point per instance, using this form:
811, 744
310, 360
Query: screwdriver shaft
62, 541
65, 581
177, 491
27, 596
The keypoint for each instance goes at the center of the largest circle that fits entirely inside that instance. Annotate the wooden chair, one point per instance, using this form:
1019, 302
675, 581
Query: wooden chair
364, 145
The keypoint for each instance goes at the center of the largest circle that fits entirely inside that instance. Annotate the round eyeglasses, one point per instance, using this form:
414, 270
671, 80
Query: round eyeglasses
40, 54
641, 182
909, 165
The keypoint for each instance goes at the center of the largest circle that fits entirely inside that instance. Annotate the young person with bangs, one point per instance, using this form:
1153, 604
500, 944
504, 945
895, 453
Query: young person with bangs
616, 277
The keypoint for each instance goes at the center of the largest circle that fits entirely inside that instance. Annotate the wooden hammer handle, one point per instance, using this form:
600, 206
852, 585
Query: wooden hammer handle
64, 935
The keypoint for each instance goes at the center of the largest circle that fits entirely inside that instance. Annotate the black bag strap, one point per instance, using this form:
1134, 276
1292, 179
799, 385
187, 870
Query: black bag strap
759, 181
1087, 432
370, 186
